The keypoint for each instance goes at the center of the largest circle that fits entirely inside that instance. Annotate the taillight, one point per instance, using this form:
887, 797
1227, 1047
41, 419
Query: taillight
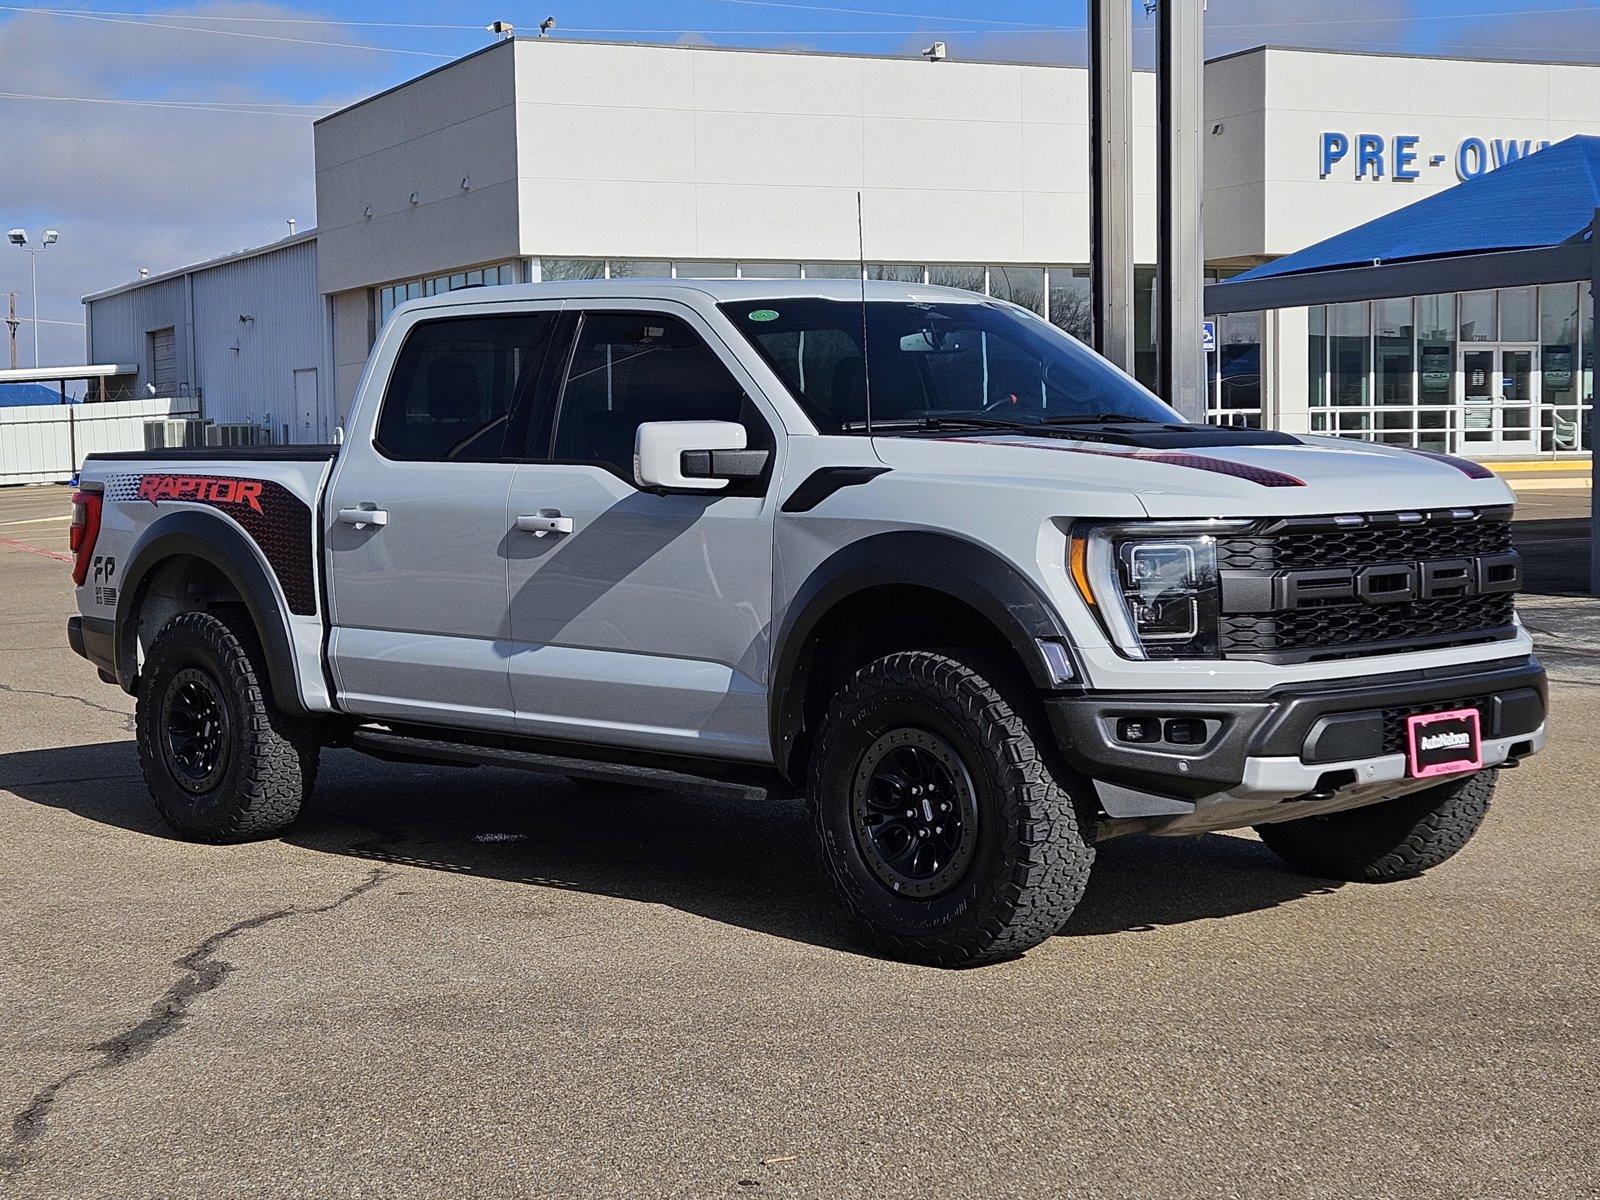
84, 533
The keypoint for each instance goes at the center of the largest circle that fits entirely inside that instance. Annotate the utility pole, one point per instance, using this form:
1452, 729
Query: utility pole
12, 321
1110, 178
1180, 254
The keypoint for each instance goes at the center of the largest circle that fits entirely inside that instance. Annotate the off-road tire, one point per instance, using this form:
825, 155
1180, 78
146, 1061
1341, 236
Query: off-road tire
1396, 839
269, 759
1031, 855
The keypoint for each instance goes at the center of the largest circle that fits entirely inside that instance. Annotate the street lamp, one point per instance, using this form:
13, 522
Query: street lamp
19, 239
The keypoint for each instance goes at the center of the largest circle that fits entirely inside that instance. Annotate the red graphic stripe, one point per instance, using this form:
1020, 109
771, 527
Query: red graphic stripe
1466, 466
13, 544
1264, 476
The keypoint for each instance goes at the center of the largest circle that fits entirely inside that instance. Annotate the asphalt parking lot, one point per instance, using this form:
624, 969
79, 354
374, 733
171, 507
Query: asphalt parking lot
451, 983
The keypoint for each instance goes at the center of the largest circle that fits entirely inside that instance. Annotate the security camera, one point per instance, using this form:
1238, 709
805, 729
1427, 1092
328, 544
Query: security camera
17, 237
546, 25
936, 52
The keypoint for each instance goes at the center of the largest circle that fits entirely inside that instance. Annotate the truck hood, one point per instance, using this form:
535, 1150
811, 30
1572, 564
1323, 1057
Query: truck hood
1262, 475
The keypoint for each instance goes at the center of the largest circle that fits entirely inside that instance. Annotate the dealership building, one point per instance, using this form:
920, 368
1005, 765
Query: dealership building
550, 159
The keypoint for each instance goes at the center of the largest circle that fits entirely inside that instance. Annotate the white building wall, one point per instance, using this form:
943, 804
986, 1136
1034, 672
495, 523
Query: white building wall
421, 177
674, 152
1441, 102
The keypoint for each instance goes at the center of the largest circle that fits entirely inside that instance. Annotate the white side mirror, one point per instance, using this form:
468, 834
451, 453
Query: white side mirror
693, 456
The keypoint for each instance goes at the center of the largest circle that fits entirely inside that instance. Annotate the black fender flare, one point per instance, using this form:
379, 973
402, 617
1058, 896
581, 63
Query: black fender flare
205, 536
962, 570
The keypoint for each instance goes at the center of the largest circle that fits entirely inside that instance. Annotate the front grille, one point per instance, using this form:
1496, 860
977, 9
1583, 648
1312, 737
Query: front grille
1343, 626
1365, 547
1394, 719
1330, 632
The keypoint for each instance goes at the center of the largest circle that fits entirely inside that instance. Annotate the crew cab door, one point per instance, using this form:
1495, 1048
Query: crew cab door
636, 618
416, 519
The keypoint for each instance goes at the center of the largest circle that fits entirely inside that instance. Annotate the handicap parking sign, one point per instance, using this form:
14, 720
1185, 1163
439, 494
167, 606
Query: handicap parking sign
1208, 337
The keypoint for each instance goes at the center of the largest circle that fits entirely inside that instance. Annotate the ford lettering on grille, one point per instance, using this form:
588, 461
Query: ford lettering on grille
1385, 583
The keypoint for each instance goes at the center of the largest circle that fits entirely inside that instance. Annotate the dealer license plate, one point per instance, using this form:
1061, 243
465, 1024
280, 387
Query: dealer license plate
1443, 743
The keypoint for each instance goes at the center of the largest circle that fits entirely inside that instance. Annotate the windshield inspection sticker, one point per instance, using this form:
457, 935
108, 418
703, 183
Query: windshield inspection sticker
764, 314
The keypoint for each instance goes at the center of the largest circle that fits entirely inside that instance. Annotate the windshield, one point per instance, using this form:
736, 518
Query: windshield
933, 364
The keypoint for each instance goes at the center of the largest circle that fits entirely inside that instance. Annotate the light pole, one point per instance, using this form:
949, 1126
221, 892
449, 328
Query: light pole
19, 238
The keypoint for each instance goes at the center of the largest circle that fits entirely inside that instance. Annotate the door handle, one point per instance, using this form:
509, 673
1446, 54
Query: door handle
539, 524
359, 517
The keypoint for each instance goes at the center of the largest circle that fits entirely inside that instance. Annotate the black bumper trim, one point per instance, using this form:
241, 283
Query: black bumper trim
94, 638
1291, 721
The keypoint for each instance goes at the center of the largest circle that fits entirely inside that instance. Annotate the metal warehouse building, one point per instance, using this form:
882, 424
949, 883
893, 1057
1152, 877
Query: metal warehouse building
544, 158
244, 335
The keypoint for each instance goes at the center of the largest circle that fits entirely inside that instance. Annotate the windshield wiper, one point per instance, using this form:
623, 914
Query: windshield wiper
935, 424
1099, 419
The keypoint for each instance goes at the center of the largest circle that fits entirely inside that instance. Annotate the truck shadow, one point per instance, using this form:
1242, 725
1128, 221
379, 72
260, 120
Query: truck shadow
744, 863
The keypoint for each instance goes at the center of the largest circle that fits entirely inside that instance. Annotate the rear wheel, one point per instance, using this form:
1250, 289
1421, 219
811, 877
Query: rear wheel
222, 763
1396, 839
947, 836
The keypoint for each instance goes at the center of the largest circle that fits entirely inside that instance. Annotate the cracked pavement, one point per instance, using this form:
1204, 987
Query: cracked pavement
447, 983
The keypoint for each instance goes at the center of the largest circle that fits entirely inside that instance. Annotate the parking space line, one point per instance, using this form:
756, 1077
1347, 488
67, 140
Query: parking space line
13, 544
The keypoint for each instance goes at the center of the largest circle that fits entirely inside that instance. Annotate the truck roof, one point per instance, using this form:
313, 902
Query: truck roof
718, 290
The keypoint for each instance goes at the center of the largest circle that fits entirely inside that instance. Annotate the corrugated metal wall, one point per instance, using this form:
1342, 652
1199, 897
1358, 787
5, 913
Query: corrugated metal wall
120, 327
257, 320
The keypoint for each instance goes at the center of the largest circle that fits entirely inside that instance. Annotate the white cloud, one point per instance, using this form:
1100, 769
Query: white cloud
132, 187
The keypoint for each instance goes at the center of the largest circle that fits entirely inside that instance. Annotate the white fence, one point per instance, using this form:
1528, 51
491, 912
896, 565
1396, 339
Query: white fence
45, 443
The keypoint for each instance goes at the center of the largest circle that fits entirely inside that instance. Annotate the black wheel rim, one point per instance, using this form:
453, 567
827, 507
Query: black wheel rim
195, 730
915, 813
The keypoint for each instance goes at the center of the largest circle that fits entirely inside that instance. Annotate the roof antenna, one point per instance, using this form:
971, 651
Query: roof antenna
861, 252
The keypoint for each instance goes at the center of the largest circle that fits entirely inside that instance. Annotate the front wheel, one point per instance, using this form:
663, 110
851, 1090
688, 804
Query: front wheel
947, 836
222, 763
1396, 839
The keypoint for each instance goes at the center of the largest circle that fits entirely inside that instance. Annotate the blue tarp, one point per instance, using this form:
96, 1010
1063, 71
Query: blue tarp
1545, 199
13, 395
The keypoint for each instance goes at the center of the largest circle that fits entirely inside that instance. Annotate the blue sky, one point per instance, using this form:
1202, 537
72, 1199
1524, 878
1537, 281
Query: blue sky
188, 134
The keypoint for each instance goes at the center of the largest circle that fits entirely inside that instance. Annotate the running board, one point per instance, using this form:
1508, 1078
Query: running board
395, 747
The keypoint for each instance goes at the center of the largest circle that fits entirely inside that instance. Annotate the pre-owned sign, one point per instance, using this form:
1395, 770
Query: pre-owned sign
1401, 156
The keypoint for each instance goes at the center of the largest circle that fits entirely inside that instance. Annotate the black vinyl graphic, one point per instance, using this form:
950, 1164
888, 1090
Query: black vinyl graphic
277, 520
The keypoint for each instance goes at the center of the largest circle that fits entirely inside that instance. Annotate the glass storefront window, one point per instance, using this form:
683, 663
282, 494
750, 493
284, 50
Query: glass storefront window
897, 272
1144, 326
1560, 366
1394, 360
1349, 359
1519, 315
1478, 317
555, 269
1072, 301
956, 275
769, 270
1238, 360
1020, 285
1317, 355
704, 270
641, 268
832, 271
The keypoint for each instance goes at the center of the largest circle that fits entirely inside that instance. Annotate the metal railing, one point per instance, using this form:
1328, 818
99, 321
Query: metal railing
1550, 429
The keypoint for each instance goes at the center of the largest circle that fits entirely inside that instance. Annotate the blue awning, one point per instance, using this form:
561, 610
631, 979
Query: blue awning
1544, 199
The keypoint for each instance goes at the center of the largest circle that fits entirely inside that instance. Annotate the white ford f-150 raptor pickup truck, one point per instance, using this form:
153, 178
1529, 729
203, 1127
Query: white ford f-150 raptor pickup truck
979, 595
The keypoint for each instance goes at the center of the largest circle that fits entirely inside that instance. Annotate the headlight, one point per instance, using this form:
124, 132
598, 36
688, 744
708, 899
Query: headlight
1154, 586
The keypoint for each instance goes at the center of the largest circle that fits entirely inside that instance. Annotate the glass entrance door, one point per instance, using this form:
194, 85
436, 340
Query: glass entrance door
1498, 397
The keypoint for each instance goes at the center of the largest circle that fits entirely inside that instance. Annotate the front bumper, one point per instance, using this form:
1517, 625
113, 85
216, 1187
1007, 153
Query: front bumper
1292, 752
